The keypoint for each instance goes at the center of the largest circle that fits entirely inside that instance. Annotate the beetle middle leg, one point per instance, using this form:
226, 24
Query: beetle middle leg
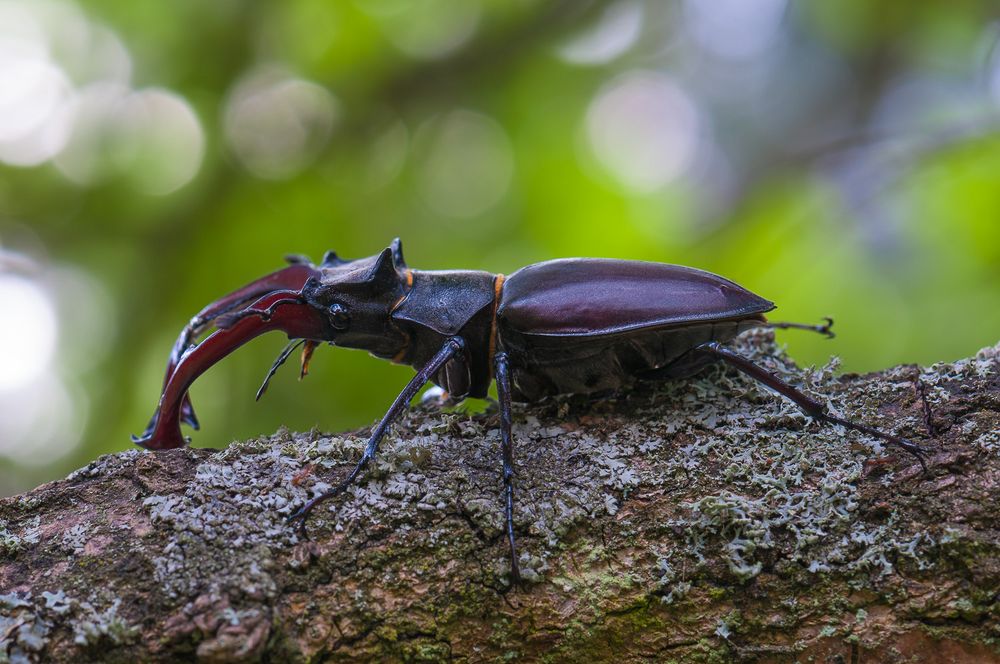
450, 348
809, 406
506, 446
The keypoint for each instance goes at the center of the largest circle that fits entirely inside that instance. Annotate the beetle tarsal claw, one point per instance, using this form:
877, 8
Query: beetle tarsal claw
825, 329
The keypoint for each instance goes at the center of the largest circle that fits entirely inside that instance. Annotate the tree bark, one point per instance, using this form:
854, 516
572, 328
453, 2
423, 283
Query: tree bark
703, 520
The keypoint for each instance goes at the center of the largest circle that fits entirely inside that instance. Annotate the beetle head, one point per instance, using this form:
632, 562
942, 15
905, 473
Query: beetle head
357, 297
344, 302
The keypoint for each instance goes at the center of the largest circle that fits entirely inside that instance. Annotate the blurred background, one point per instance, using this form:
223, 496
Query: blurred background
842, 159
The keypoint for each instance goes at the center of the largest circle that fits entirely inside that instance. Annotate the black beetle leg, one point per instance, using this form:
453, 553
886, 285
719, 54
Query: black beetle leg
288, 350
809, 406
506, 446
824, 329
448, 350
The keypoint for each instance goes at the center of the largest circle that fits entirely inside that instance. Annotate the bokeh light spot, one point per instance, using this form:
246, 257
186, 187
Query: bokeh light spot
616, 31
41, 422
467, 163
28, 334
644, 129
89, 156
277, 125
162, 141
34, 94
734, 29
428, 29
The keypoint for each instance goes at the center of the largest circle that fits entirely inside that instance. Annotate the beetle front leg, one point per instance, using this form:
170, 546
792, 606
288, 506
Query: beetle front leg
809, 406
450, 348
506, 447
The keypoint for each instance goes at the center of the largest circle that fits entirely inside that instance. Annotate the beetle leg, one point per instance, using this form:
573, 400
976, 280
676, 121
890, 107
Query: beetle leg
450, 348
506, 446
824, 329
809, 406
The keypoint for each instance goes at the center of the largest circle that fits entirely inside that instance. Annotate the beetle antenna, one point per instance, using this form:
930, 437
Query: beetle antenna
230, 319
285, 353
822, 329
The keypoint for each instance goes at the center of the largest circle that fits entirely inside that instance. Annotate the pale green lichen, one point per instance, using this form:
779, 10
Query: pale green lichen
27, 624
105, 465
11, 542
92, 625
790, 492
75, 539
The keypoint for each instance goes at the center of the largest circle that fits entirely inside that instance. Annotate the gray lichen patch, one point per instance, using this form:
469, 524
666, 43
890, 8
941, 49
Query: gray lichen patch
773, 488
106, 465
27, 623
224, 524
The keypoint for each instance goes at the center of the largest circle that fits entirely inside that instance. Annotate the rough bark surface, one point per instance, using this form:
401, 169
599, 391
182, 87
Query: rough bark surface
704, 520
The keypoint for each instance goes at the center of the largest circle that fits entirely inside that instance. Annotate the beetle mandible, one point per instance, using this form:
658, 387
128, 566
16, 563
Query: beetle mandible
575, 325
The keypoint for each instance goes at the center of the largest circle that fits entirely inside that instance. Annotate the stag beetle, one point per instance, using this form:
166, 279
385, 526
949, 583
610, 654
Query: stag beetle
576, 325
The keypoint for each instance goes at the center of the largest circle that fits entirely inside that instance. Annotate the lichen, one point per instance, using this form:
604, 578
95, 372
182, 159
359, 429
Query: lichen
75, 539
27, 623
793, 494
11, 542
649, 521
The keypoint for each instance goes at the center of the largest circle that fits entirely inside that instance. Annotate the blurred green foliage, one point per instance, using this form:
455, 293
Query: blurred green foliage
846, 163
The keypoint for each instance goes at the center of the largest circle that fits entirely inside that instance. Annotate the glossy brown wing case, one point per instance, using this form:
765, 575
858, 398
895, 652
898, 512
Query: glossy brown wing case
592, 297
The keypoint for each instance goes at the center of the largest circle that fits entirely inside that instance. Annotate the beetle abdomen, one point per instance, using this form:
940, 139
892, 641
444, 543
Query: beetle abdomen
540, 367
592, 296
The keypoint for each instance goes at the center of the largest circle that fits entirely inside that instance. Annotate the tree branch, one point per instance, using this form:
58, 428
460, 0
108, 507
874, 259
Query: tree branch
694, 521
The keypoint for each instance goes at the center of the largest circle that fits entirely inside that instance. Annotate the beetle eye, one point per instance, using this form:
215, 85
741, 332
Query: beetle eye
339, 316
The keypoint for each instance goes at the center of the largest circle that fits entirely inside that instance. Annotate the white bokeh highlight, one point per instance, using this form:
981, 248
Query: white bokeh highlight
34, 91
57, 323
28, 335
162, 140
65, 97
467, 163
644, 129
277, 125
734, 29
614, 33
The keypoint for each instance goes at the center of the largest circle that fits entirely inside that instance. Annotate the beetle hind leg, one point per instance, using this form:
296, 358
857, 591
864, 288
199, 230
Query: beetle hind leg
809, 406
825, 329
